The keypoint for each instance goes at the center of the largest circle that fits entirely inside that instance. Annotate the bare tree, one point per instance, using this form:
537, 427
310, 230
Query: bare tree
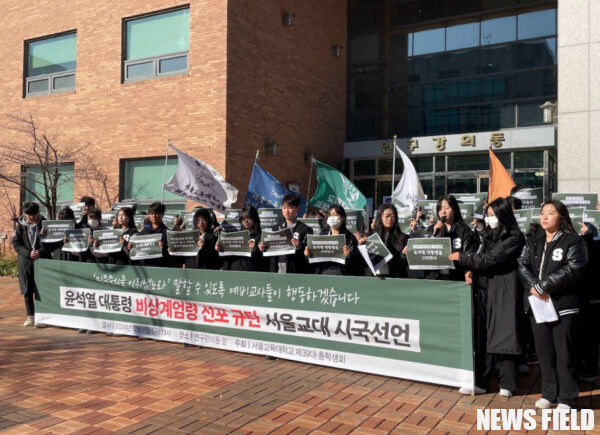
34, 163
97, 181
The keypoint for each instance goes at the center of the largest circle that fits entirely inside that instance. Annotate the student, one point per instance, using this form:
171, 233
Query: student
336, 221
156, 211
26, 242
93, 218
550, 268
462, 239
496, 282
386, 226
249, 221
123, 221
208, 257
64, 214
89, 203
292, 263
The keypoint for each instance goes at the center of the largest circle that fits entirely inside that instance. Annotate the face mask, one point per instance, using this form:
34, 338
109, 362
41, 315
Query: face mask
492, 221
93, 223
334, 221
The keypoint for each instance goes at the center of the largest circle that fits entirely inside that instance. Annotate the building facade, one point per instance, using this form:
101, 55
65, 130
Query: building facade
220, 79
451, 80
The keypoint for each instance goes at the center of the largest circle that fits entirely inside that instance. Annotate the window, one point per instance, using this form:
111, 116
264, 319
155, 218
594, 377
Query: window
364, 167
142, 180
462, 36
429, 41
34, 181
538, 23
157, 45
498, 30
51, 65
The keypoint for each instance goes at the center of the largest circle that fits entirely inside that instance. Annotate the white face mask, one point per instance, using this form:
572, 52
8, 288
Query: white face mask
492, 221
93, 223
334, 221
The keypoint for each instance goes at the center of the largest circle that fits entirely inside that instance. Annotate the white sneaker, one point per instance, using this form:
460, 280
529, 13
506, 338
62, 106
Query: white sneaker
563, 406
505, 393
467, 391
29, 322
543, 403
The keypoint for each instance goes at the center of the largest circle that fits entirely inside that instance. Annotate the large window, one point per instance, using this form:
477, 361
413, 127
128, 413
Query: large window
142, 179
156, 45
34, 181
51, 64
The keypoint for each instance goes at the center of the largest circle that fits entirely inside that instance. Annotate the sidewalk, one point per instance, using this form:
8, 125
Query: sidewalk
55, 380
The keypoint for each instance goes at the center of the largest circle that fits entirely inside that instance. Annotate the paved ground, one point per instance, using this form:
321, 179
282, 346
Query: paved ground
54, 380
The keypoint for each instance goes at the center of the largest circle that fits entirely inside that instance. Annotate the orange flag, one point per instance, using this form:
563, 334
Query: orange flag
501, 183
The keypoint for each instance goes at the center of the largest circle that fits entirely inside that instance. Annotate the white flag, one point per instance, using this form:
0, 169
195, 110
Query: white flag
408, 191
200, 182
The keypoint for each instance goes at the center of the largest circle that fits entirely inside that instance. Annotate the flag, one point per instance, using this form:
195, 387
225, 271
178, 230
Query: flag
501, 183
265, 191
199, 182
334, 188
408, 191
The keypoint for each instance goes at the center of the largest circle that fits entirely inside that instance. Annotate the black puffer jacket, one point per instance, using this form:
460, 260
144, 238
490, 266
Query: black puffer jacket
555, 268
462, 240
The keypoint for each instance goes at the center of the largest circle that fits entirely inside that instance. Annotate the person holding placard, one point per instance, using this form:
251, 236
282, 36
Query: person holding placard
92, 219
386, 226
123, 221
296, 262
249, 221
551, 267
336, 220
64, 214
207, 257
497, 297
156, 211
26, 242
450, 224
88, 204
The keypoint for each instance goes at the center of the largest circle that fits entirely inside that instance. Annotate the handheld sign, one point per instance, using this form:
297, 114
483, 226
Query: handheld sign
131, 204
107, 219
138, 219
585, 200
375, 253
478, 199
270, 217
592, 217
429, 253
235, 243
145, 247
77, 208
428, 207
278, 242
326, 248
77, 240
404, 217
56, 231
354, 220
232, 220
169, 220
109, 241
315, 224
183, 243
467, 210
530, 198
535, 215
523, 218
576, 213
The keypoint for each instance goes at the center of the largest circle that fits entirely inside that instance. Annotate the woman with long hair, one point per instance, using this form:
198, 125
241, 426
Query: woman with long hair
551, 267
250, 221
207, 257
336, 221
450, 224
497, 297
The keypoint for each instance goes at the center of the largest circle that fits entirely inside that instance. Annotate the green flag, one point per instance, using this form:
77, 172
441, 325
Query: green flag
334, 188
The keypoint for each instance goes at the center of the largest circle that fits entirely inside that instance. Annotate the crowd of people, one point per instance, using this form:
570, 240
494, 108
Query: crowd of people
553, 261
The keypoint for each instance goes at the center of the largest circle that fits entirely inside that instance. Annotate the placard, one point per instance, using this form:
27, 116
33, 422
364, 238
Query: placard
278, 242
429, 253
56, 230
235, 243
326, 248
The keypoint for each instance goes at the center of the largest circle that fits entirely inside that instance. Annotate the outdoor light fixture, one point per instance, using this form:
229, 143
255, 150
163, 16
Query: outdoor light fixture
288, 19
271, 148
336, 50
549, 109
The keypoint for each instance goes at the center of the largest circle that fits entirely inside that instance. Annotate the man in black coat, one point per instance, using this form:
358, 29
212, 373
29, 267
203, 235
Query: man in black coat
26, 242
296, 262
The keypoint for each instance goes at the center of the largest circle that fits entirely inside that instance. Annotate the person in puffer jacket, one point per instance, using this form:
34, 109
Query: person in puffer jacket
550, 268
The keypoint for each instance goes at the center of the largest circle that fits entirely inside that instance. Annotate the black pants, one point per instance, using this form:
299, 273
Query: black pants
556, 351
588, 339
484, 366
29, 307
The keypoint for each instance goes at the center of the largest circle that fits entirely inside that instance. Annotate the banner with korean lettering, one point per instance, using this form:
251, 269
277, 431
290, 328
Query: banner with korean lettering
355, 323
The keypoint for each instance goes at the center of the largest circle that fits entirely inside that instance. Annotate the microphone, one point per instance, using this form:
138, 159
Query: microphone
439, 231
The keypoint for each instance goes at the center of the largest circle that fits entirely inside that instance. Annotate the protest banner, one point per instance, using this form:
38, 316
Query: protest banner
145, 247
467, 211
131, 204
56, 231
278, 242
428, 207
326, 248
375, 253
235, 243
354, 220
388, 326
169, 220
429, 253
315, 224
478, 199
531, 197
576, 214
592, 217
523, 218
535, 215
77, 208
585, 200
77, 240
109, 241
270, 217
183, 243
188, 219
138, 219
106, 221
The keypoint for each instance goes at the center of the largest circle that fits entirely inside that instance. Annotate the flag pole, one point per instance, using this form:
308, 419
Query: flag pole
312, 162
256, 157
162, 198
394, 165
